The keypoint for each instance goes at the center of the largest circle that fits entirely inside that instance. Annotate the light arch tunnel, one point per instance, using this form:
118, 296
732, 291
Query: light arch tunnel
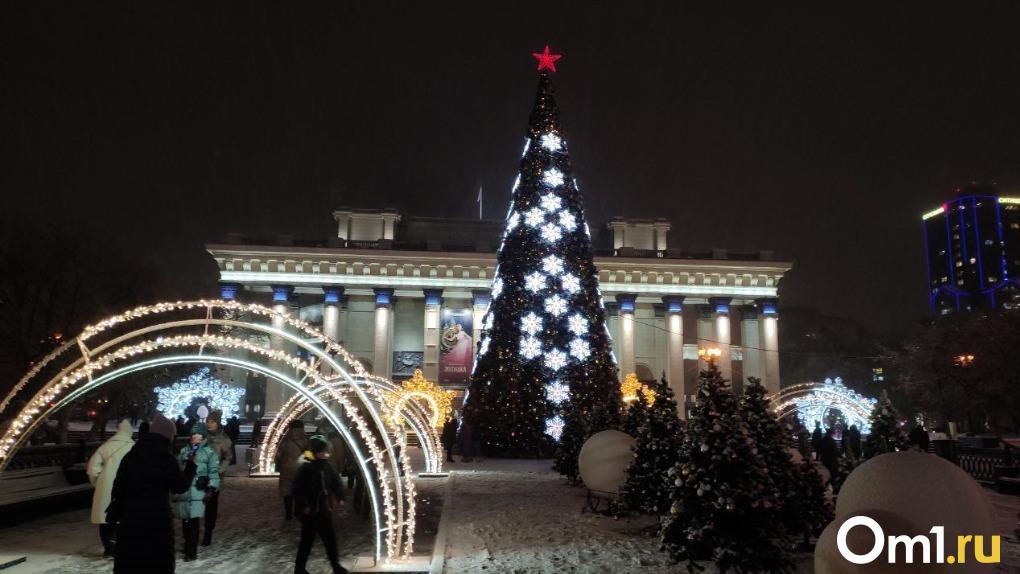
812, 402
208, 332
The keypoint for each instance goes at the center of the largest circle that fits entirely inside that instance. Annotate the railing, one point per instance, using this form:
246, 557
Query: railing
984, 464
63, 455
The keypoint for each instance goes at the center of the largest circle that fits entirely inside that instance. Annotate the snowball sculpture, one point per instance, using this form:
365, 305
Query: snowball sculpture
604, 459
908, 493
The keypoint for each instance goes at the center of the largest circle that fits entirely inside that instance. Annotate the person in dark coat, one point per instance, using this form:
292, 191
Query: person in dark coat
919, 437
853, 440
449, 437
147, 476
288, 463
317, 491
816, 438
467, 441
233, 430
828, 453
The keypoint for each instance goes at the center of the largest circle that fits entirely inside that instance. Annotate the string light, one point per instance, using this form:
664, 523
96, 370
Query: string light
578, 324
567, 220
553, 177
534, 282
497, 287
551, 141
534, 217
555, 359
512, 222
175, 399
551, 202
531, 323
552, 265
557, 393
554, 427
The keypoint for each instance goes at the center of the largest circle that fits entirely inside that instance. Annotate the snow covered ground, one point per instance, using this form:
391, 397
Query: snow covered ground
517, 516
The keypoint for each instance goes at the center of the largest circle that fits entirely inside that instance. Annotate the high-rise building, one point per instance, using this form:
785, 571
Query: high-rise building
973, 251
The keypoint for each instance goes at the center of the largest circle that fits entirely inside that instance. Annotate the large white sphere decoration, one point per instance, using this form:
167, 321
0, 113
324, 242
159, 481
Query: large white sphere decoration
202, 412
908, 493
604, 459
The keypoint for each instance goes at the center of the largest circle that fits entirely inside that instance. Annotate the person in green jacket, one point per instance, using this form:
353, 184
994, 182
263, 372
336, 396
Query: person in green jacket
189, 506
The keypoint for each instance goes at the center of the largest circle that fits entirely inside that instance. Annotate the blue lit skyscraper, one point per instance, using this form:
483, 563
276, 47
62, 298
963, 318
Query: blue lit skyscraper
973, 251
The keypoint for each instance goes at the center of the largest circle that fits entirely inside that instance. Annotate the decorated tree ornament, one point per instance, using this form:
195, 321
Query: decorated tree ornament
549, 353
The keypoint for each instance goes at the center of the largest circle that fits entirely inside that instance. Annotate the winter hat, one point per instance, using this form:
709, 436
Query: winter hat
163, 426
317, 444
200, 428
216, 415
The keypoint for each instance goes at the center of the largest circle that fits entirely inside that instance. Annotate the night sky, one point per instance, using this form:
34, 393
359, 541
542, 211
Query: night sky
820, 134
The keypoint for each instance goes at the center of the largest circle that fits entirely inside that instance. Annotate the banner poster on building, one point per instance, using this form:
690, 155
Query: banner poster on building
456, 347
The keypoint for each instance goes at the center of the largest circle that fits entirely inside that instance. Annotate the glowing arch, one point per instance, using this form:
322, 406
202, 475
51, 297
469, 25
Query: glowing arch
811, 402
412, 413
115, 353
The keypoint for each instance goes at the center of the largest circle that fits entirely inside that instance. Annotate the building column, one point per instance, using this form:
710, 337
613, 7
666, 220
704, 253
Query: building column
331, 296
383, 359
768, 329
627, 302
675, 350
433, 310
276, 392
721, 334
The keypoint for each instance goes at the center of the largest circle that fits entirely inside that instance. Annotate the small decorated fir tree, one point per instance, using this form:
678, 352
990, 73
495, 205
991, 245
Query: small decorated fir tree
886, 434
658, 444
804, 507
723, 502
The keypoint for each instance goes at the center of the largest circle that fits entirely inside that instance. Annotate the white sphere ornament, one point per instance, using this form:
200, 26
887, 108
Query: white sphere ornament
202, 412
604, 459
908, 493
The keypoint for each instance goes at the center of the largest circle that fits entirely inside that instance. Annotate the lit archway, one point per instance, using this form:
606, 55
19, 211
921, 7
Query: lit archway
150, 336
816, 402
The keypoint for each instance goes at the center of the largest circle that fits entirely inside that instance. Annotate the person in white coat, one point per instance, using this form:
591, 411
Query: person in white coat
102, 470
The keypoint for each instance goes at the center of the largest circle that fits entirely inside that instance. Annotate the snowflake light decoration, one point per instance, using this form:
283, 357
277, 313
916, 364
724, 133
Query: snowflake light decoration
530, 347
551, 202
570, 283
551, 141
567, 220
553, 177
552, 265
555, 359
557, 392
534, 282
578, 324
173, 400
514, 220
579, 349
497, 287
555, 305
531, 323
554, 427
551, 233
534, 217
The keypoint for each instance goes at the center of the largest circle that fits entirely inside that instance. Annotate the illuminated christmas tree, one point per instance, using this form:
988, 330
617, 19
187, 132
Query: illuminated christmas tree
887, 435
544, 369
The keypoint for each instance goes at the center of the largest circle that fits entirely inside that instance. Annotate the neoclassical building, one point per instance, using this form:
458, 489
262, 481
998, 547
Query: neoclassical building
404, 292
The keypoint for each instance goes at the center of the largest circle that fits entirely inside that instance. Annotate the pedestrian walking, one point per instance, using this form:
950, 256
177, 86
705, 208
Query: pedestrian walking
288, 462
233, 430
317, 492
189, 506
449, 436
147, 476
102, 470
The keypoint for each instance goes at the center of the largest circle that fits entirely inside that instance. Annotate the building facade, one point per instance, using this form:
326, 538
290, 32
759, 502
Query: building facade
973, 251
403, 292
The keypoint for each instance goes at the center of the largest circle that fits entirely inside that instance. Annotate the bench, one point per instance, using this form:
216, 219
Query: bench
31, 484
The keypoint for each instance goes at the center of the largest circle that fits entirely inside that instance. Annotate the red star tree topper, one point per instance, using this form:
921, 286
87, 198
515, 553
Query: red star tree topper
546, 61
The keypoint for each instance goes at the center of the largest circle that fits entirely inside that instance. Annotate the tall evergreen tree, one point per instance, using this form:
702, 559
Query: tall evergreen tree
655, 452
545, 367
886, 433
723, 503
804, 507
